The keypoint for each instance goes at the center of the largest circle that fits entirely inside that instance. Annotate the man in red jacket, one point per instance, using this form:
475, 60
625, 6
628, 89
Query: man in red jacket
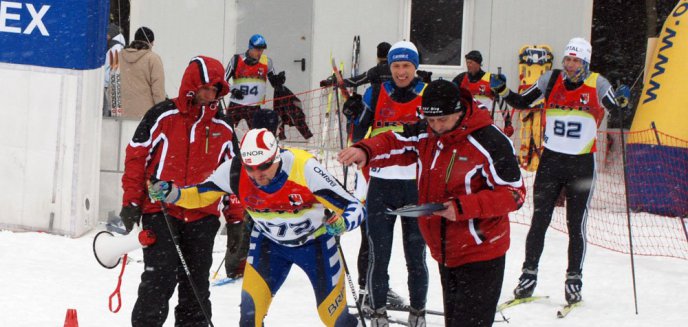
183, 139
466, 164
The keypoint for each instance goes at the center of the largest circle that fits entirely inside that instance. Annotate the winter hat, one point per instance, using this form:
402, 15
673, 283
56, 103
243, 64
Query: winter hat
266, 118
113, 30
144, 34
441, 98
257, 41
259, 147
383, 49
579, 48
403, 51
475, 56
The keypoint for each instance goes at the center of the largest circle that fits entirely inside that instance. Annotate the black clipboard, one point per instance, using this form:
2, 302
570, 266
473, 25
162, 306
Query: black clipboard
417, 210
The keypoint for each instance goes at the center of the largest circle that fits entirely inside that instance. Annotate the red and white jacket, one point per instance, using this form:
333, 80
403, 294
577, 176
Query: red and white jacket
484, 180
179, 141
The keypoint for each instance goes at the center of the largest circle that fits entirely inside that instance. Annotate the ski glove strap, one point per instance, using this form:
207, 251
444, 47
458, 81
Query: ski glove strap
162, 191
334, 224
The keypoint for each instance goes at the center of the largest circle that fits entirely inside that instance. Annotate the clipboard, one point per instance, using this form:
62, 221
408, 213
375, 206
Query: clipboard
417, 210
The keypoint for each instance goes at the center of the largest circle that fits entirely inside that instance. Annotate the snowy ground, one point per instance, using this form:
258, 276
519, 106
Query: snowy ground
42, 275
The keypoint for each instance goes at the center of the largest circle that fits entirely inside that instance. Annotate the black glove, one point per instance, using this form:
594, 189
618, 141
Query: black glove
130, 214
328, 81
237, 94
425, 76
235, 234
353, 106
277, 80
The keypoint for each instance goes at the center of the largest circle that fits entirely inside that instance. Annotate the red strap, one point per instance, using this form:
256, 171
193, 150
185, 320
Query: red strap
117, 292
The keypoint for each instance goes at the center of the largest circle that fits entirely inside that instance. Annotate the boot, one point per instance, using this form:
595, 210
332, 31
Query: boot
379, 318
394, 299
416, 318
573, 287
526, 284
364, 301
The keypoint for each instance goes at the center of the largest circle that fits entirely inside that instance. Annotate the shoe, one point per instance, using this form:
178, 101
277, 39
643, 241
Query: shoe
379, 318
364, 301
235, 275
416, 318
573, 287
394, 299
526, 284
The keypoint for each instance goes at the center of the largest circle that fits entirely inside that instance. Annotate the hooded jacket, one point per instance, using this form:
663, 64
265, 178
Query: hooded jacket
180, 141
475, 166
143, 79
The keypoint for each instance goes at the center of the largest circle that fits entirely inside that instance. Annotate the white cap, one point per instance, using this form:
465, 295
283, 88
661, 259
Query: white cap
259, 146
578, 47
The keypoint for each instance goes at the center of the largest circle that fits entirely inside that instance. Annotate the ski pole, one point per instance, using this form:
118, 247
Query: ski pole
218, 268
341, 138
628, 210
186, 267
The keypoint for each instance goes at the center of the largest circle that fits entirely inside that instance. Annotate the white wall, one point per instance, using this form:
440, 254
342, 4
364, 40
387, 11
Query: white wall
50, 122
184, 29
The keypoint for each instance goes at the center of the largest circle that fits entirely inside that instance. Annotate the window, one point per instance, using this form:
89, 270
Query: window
436, 30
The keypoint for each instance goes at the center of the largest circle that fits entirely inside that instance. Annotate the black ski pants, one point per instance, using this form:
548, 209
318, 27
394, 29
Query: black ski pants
470, 292
163, 271
576, 175
393, 194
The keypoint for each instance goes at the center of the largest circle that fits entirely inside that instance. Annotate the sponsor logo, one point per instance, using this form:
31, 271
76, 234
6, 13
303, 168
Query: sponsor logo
337, 301
295, 199
12, 11
400, 56
325, 176
251, 153
585, 98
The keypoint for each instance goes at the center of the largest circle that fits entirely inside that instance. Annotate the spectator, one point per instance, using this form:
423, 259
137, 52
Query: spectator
165, 146
143, 77
467, 165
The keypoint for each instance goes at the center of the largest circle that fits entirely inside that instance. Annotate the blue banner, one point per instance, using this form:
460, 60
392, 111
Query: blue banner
54, 33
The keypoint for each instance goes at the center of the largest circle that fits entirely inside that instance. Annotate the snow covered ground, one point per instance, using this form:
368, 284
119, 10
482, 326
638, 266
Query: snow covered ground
42, 275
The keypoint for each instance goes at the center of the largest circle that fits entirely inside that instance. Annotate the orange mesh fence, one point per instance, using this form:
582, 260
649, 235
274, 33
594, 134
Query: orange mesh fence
653, 234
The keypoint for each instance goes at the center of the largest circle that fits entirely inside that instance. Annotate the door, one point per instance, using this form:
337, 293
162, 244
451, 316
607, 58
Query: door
287, 28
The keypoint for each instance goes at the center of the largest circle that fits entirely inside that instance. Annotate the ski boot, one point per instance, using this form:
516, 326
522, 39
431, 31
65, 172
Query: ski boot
573, 287
394, 299
364, 301
379, 318
416, 318
526, 284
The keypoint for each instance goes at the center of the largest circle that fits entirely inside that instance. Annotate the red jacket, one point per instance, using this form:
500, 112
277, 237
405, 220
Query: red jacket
485, 181
179, 141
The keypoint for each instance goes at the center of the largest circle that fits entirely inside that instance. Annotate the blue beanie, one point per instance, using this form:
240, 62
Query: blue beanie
403, 51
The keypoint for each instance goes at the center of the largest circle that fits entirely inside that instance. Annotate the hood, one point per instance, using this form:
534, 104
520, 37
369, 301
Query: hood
201, 71
474, 119
132, 55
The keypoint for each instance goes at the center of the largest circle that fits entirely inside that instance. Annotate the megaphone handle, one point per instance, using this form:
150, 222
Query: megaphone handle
117, 291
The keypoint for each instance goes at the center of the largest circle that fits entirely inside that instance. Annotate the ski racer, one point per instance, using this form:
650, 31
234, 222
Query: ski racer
575, 103
298, 208
475, 79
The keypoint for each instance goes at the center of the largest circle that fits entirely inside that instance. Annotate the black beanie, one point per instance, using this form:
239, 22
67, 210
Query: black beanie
441, 98
475, 56
383, 49
144, 34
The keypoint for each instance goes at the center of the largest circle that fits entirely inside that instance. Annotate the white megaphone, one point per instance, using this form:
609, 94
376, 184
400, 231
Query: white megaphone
109, 249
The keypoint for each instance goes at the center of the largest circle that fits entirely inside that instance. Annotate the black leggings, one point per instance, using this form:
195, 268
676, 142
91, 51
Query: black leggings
163, 270
575, 174
384, 194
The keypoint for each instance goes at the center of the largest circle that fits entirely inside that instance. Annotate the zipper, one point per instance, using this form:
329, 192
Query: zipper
207, 135
443, 222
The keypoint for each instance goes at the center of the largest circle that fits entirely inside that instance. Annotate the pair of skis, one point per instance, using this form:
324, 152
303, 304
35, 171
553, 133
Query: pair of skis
399, 308
561, 313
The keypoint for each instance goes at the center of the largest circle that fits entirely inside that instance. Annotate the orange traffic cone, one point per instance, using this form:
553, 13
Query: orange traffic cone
70, 320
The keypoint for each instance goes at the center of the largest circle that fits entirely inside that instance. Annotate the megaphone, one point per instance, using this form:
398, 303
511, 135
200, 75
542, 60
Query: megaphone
109, 249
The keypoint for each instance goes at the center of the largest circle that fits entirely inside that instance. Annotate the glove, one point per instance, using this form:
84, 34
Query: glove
277, 80
235, 234
237, 94
130, 214
162, 191
334, 224
425, 76
353, 106
328, 81
623, 93
498, 83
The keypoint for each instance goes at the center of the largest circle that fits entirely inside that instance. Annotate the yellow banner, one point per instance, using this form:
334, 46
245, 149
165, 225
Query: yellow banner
664, 100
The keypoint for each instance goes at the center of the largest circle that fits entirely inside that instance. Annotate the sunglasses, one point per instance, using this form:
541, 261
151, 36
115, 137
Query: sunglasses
262, 167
